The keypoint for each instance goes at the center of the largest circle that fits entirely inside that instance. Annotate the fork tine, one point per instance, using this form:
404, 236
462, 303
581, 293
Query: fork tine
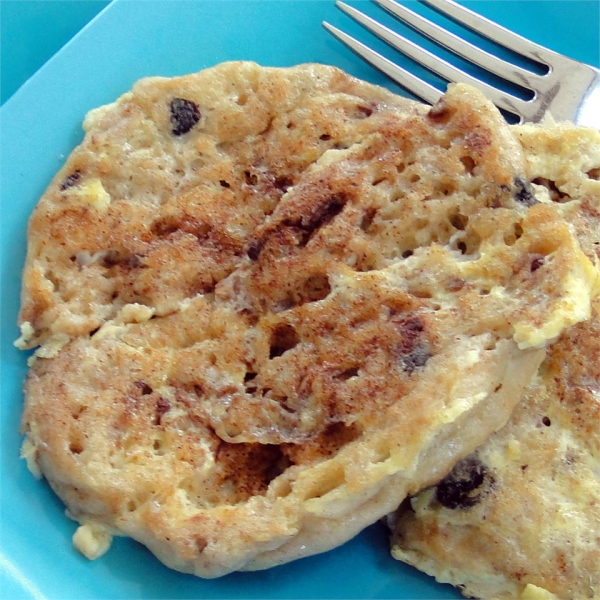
458, 46
411, 82
432, 62
492, 31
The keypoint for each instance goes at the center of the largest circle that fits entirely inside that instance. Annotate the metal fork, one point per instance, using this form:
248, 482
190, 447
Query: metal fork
570, 90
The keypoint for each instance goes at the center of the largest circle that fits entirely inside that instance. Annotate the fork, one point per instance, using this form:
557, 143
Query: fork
569, 90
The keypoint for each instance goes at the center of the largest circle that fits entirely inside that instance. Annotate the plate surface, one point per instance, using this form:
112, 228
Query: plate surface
41, 124
27, 41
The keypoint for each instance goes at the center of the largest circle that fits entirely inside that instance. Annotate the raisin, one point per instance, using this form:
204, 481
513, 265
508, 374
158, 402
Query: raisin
184, 115
465, 485
412, 351
523, 193
162, 406
254, 249
536, 263
70, 180
411, 327
415, 358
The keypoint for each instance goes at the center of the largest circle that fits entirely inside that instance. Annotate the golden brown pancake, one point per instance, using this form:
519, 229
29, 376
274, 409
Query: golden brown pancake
273, 302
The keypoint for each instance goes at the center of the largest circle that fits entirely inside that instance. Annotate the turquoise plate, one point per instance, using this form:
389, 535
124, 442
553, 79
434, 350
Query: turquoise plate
40, 126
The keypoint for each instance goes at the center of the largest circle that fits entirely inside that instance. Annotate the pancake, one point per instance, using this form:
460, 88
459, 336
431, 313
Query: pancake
252, 364
520, 518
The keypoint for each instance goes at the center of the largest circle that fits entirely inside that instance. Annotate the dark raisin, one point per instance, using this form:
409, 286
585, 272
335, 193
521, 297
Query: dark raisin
414, 359
546, 421
465, 485
254, 249
325, 137
70, 180
523, 194
411, 325
162, 406
224, 183
184, 115
412, 351
536, 263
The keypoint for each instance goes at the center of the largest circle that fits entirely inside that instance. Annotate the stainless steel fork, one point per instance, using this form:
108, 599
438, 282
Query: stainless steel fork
570, 90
